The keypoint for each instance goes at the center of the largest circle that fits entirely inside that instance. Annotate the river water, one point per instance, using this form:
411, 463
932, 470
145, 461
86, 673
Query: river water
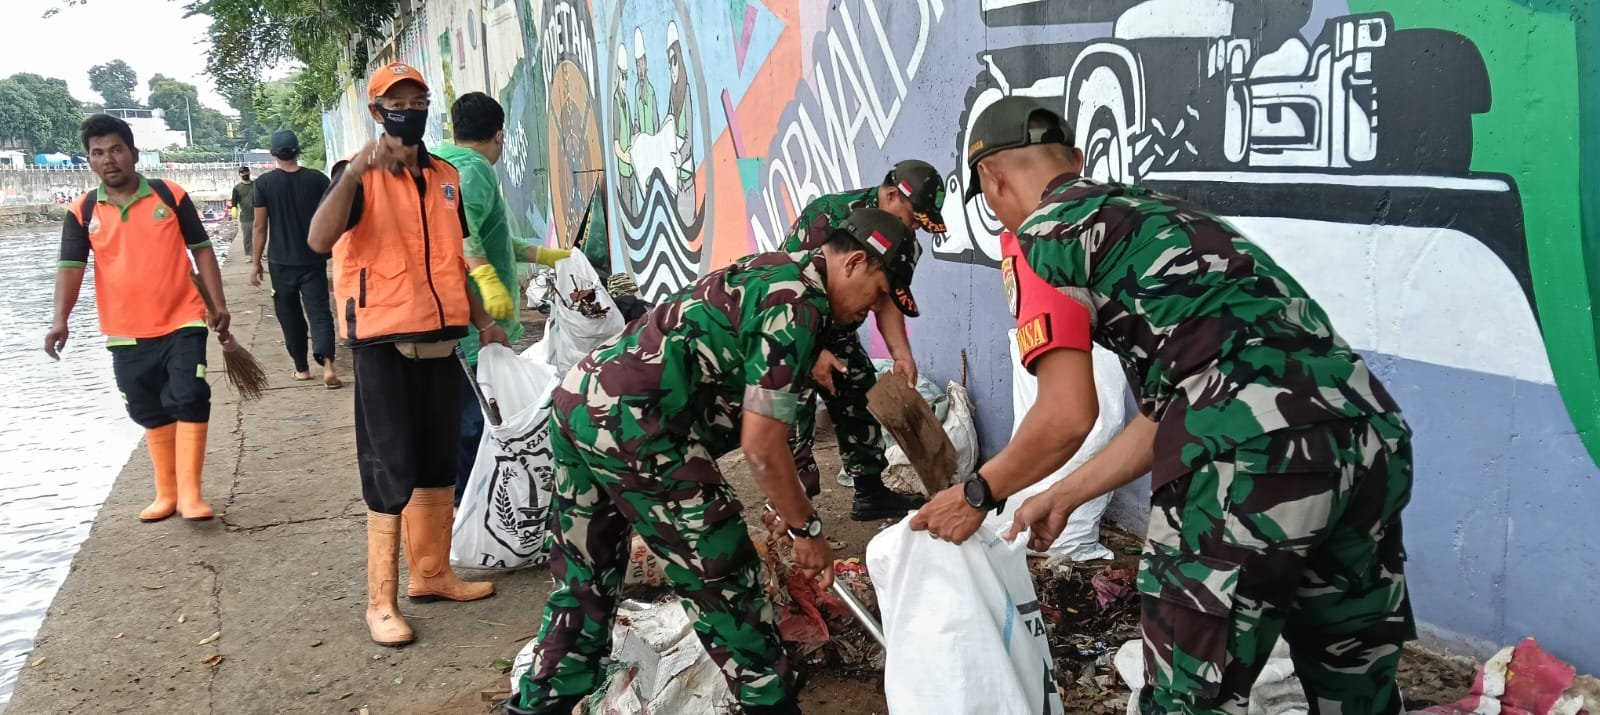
63, 438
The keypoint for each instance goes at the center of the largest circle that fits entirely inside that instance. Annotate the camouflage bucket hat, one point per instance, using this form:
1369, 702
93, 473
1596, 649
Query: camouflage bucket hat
886, 237
1004, 125
921, 184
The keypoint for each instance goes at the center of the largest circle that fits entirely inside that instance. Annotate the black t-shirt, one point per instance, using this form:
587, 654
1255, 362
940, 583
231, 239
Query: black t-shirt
290, 198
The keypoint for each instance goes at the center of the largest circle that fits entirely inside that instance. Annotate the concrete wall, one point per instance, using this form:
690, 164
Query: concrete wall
1428, 169
50, 187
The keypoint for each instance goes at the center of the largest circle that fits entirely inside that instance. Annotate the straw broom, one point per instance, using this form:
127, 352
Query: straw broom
246, 375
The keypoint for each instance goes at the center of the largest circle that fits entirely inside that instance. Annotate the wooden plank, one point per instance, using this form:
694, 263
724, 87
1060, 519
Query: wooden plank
908, 417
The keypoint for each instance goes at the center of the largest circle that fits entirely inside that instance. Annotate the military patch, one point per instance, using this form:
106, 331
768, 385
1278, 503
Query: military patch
1008, 274
1033, 334
162, 213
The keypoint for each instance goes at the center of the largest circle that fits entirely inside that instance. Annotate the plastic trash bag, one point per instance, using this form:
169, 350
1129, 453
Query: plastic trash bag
503, 520
1080, 540
582, 314
965, 632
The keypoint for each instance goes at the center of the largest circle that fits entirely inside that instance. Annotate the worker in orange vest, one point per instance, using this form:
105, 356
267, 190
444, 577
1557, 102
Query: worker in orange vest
394, 220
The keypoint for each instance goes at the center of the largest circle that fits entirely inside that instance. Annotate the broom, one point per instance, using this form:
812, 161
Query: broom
246, 375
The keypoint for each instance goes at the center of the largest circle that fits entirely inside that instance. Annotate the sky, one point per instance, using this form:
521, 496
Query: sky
152, 36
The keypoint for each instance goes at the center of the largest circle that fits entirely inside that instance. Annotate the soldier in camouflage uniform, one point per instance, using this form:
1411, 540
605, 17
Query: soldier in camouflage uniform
638, 425
912, 191
1279, 463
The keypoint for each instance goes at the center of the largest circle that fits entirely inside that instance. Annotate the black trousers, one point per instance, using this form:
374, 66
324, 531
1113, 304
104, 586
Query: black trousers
163, 380
300, 297
408, 424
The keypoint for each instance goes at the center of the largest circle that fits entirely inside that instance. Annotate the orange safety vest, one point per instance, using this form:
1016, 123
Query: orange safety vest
399, 274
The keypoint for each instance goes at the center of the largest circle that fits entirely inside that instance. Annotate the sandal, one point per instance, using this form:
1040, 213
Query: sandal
297, 376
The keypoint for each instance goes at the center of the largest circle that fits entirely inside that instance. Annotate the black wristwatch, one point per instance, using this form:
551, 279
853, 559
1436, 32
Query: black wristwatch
809, 530
978, 495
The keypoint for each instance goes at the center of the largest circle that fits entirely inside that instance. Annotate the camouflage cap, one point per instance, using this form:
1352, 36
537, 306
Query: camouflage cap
921, 184
1004, 125
885, 236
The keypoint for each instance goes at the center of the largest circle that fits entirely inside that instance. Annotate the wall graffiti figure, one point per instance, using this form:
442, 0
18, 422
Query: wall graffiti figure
656, 151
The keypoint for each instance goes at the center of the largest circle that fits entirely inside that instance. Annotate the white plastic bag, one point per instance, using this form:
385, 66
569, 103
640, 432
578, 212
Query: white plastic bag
504, 514
569, 333
964, 629
1080, 540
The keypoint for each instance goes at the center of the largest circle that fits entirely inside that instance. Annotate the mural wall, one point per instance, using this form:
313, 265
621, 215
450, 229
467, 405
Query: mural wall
1429, 170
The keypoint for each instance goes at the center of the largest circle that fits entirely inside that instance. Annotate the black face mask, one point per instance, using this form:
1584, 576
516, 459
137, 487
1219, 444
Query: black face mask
407, 125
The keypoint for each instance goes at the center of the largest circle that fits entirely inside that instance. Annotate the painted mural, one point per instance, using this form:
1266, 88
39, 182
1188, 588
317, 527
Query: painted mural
1429, 170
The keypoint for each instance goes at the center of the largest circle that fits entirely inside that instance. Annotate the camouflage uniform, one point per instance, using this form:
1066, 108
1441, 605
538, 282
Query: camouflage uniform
637, 428
1281, 465
859, 434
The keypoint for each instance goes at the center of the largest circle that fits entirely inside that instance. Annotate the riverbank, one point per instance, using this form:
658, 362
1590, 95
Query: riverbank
281, 576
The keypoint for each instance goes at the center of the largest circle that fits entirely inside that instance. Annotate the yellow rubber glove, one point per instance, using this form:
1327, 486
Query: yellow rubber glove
496, 299
549, 256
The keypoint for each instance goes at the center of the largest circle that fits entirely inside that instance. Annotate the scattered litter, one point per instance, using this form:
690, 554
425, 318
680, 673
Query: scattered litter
1112, 586
157, 587
503, 665
313, 573
492, 623
343, 696
183, 618
377, 656
1519, 679
117, 637
398, 679
315, 643
39, 661
208, 640
212, 661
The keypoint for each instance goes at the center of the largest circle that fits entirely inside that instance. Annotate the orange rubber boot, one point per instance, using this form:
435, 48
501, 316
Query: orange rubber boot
384, 622
191, 464
426, 523
162, 443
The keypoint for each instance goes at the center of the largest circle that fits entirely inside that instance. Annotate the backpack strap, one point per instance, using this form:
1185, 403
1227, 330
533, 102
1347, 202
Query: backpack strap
86, 209
164, 192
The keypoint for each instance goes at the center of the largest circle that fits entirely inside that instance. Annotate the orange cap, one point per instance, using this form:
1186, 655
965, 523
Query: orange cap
390, 75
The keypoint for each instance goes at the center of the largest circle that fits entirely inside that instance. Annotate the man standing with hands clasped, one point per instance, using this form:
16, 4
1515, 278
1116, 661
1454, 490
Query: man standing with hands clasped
1279, 464
394, 220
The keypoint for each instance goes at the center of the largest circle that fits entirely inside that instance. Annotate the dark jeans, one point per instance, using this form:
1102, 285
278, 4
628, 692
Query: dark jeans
300, 297
163, 380
471, 434
408, 415
247, 234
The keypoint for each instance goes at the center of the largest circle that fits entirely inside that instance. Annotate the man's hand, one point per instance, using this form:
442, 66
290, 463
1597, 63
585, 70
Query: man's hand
55, 340
385, 152
814, 558
905, 364
493, 334
255, 274
496, 299
220, 321
948, 516
1045, 515
822, 372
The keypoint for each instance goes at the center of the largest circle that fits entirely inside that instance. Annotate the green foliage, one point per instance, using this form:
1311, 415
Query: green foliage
290, 103
115, 81
39, 113
178, 101
249, 35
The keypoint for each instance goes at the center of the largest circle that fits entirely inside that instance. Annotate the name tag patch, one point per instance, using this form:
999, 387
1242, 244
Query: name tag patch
1033, 334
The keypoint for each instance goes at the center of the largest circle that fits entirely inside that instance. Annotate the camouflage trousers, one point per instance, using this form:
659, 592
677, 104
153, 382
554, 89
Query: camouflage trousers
859, 434
690, 518
1294, 533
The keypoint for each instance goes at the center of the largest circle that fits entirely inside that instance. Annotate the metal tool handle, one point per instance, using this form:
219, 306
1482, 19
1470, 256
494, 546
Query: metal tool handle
863, 616
490, 410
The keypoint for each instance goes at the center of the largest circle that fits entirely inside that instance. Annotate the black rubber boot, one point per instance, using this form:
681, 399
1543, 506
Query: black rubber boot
875, 501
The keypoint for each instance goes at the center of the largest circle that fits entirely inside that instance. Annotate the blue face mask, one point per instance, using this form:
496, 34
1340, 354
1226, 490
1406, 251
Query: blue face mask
408, 125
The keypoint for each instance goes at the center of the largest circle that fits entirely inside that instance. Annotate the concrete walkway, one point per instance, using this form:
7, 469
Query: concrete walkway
281, 575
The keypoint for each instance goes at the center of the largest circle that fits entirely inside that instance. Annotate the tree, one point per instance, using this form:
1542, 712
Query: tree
243, 100
289, 103
179, 102
115, 81
249, 35
59, 113
20, 120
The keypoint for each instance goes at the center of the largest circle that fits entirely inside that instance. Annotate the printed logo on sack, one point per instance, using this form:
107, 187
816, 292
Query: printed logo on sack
516, 505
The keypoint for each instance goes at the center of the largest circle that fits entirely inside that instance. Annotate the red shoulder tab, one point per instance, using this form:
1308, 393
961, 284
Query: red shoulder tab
1047, 318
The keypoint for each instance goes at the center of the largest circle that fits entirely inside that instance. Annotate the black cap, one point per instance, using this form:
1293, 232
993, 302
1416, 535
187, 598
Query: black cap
1004, 125
284, 139
922, 185
886, 237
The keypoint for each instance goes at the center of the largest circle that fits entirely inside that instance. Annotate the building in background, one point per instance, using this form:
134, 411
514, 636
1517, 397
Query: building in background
150, 128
